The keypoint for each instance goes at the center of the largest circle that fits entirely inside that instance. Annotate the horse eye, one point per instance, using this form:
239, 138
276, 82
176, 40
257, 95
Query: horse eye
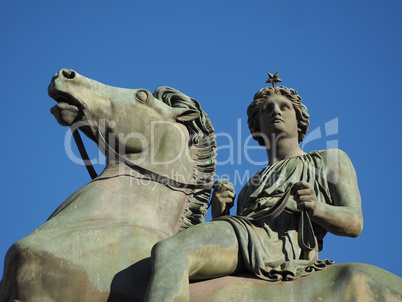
141, 96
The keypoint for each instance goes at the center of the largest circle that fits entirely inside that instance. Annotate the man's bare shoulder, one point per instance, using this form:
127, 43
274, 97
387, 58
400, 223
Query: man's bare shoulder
334, 157
338, 164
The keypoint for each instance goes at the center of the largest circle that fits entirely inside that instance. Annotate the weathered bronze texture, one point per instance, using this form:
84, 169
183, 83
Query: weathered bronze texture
283, 214
96, 245
153, 195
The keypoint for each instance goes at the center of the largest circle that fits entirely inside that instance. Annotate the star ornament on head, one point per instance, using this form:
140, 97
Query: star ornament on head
273, 79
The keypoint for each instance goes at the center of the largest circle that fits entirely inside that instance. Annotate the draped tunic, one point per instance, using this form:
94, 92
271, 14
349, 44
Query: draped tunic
271, 249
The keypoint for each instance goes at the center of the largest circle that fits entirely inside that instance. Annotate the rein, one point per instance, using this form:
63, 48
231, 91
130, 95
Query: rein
166, 181
306, 236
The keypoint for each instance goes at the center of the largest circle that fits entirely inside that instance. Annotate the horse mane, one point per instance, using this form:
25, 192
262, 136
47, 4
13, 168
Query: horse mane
203, 153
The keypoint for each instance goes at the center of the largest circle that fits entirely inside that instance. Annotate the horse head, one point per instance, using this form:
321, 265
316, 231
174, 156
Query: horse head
129, 118
165, 132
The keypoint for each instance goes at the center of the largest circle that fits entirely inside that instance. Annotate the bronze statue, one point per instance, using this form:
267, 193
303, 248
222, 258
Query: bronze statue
283, 214
154, 193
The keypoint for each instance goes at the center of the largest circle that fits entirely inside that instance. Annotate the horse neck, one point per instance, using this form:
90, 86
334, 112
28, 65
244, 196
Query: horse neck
143, 192
180, 168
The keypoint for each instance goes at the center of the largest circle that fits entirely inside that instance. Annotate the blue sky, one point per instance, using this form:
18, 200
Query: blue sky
343, 57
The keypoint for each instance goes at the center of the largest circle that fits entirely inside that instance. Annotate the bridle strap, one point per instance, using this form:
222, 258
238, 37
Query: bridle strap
168, 182
306, 236
83, 153
271, 213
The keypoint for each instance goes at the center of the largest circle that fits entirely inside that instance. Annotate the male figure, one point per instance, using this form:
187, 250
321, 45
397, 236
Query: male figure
264, 238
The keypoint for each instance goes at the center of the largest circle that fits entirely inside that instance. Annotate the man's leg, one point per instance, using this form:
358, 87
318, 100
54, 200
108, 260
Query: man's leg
204, 251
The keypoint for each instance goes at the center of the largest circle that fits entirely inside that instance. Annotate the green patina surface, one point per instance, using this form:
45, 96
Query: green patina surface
96, 246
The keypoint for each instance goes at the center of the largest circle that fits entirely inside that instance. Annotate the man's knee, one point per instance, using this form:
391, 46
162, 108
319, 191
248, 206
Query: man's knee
165, 249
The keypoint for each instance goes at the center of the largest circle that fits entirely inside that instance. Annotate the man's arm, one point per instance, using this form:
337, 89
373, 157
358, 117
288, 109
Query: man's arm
344, 217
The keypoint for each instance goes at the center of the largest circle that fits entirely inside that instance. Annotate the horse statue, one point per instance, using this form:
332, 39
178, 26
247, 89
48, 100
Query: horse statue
161, 159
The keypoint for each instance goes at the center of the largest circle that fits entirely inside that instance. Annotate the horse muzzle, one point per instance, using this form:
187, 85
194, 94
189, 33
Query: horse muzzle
68, 108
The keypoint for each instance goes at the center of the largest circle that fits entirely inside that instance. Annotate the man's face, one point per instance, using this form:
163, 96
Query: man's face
278, 117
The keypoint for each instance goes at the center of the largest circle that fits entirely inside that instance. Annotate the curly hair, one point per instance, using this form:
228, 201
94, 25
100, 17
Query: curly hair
259, 98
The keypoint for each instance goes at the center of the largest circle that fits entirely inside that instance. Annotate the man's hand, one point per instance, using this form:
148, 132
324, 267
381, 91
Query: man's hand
222, 198
304, 195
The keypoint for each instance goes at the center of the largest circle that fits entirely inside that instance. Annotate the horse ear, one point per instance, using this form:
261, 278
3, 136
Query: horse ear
185, 114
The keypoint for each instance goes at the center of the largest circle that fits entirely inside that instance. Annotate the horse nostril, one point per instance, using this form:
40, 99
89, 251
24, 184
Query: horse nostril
69, 74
